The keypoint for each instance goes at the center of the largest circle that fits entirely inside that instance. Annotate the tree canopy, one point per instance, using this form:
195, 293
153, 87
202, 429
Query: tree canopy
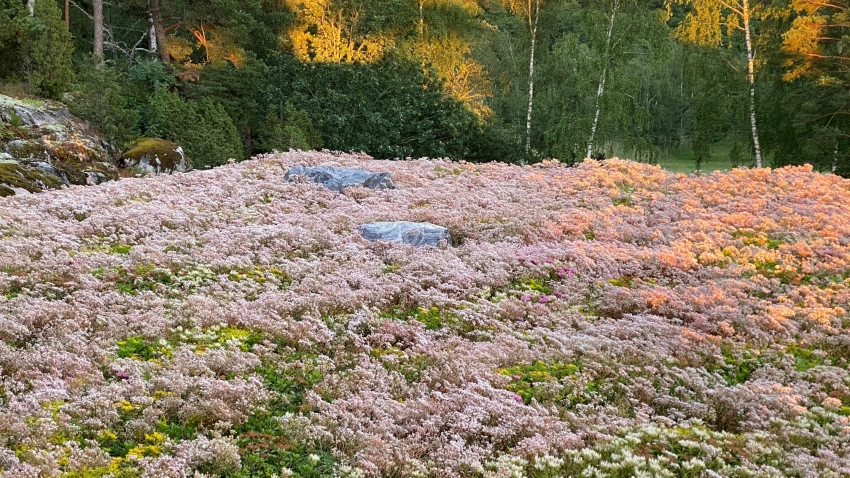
753, 82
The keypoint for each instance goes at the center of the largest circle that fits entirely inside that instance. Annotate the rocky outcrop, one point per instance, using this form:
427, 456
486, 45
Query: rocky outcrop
151, 156
25, 178
42, 143
411, 233
336, 178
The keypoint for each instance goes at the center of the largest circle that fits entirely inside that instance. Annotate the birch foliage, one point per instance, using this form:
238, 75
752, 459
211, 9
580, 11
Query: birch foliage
719, 23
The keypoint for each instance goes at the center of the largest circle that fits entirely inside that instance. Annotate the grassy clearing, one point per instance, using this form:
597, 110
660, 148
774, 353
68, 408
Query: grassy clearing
682, 160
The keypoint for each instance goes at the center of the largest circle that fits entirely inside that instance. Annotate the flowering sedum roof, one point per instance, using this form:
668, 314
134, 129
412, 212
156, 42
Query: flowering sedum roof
609, 319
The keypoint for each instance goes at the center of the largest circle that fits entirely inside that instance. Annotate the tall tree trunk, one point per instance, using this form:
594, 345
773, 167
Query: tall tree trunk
31, 7
601, 90
751, 76
159, 29
152, 35
68, 14
532, 24
835, 159
98, 27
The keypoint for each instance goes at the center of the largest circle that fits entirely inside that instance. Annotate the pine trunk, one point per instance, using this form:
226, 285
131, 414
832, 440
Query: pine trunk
159, 29
98, 27
751, 76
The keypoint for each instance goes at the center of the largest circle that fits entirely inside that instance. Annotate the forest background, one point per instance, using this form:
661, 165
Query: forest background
743, 82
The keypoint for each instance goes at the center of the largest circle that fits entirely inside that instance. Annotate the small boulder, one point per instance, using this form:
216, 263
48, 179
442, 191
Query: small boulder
156, 156
411, 233
336, 178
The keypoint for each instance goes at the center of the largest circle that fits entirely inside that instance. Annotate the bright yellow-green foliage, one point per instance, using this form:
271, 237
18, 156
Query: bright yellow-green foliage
114, 470
526, 380
815, 40
324, 33
714, 22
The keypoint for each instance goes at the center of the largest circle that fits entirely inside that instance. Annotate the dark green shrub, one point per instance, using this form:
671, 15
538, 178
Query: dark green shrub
202, 128
98, 99
35, 49
388, 109
291, 129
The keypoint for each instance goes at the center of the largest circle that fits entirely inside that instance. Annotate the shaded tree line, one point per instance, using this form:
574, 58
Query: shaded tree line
509, 80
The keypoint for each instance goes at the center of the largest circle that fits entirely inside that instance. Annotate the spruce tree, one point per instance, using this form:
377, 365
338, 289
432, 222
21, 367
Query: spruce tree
35, 49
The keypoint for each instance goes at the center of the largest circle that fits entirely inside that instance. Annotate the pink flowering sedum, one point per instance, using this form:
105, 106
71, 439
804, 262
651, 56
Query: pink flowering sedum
609, 319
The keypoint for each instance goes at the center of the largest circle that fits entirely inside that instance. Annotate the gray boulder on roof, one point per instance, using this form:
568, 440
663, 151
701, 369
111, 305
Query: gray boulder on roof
412, 233
337, 178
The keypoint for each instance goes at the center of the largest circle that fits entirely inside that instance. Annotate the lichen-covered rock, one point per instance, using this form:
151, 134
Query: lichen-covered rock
336, 178
36, 113
156, 156
17, 178
42, 136
412, 233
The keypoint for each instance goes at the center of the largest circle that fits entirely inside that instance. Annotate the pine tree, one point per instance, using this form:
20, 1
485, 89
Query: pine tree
35, 49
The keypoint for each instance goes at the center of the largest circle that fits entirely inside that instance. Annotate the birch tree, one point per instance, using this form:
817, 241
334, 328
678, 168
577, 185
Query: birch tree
713, 23
613, 10
529, 10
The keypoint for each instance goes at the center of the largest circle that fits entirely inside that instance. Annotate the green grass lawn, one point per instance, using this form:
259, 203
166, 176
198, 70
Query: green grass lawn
681, 159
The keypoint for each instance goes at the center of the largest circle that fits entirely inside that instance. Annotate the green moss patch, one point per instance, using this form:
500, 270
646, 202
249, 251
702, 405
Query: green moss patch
167, 154
532, 380
17, 175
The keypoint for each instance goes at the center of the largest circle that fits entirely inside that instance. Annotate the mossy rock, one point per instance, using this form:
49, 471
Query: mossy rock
87, 173
36, 113
16, 177
26, 149
156, 156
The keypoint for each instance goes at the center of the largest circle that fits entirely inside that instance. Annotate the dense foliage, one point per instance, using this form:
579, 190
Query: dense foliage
609, 319
35, 48
203, 127
747, 81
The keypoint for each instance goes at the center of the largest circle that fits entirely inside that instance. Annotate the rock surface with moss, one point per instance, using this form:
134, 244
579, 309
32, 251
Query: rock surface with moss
155, 156
41, 138
21, 178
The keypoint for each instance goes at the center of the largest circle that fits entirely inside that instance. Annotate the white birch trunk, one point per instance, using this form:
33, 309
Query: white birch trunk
31, 7
601, 90
599, 93
752, 79
152, 35
532, 22
835, 158
421, 18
